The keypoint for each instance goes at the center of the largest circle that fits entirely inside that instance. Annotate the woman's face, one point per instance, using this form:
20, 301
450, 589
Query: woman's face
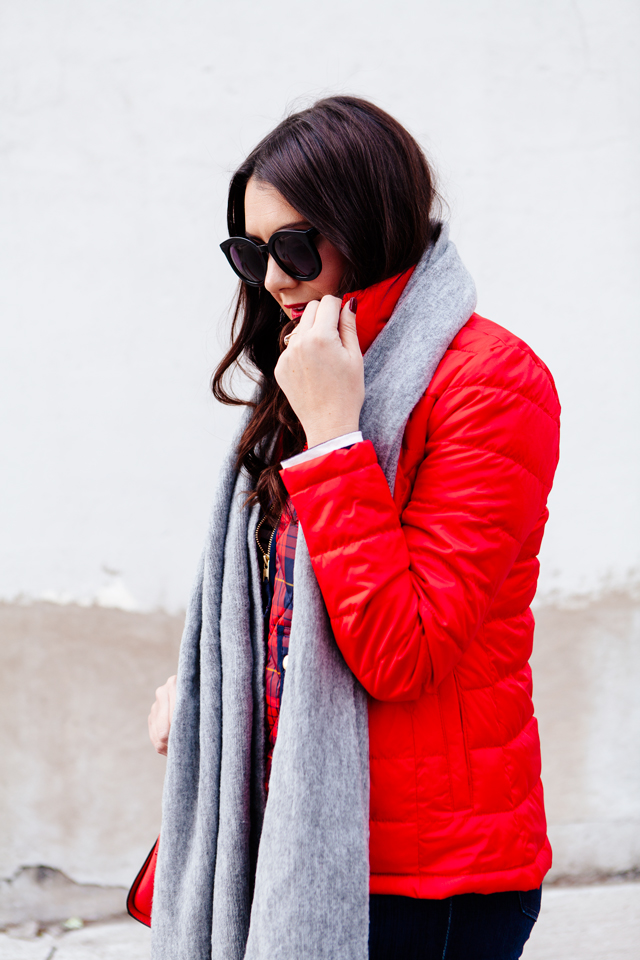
265, 211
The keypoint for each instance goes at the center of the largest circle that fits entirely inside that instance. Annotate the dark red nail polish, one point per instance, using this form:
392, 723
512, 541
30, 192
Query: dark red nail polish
353, 304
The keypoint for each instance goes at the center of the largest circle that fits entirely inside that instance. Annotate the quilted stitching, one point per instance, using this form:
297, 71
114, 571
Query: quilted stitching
435, 580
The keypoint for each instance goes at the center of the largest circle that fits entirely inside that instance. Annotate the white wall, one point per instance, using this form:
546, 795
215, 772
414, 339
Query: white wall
122, 120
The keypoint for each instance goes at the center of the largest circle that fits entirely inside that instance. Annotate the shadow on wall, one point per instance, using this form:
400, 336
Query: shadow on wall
81, 786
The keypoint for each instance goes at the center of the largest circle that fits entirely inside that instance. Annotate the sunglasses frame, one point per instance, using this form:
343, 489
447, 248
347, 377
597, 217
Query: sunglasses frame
268, 249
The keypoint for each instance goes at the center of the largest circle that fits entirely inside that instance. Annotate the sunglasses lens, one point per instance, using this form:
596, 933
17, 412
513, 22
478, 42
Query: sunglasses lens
248, 261
295, 255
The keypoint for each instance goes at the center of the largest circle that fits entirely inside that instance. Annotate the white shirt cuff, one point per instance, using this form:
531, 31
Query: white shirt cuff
346, 440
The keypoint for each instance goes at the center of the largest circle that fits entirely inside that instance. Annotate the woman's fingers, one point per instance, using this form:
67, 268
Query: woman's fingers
161, 716
308, 317
330, 320
347, 326
327, 316
321, 372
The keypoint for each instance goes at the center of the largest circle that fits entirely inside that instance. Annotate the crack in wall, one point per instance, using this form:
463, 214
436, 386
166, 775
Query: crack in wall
46, 896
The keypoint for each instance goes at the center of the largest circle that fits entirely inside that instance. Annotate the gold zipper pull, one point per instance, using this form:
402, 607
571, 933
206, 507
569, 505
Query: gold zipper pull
265, 556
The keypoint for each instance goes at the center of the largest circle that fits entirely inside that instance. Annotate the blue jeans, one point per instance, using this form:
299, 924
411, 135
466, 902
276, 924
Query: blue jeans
469, 926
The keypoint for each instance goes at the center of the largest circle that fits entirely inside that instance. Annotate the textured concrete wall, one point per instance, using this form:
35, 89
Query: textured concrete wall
81, 785
121, 123
586, 670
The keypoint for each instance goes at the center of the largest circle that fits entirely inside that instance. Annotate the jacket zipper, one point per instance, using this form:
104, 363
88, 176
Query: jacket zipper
266, 556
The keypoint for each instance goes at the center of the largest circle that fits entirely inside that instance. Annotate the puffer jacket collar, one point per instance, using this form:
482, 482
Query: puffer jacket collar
375, 306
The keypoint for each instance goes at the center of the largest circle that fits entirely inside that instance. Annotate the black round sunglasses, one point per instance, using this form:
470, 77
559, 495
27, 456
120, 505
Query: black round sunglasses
293, 250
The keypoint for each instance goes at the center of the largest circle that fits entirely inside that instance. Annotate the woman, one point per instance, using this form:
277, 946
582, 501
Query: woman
358, 774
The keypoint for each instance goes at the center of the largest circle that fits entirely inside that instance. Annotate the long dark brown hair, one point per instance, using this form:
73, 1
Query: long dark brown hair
360, 178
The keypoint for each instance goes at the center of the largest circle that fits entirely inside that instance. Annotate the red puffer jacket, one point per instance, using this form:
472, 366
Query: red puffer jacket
428, 592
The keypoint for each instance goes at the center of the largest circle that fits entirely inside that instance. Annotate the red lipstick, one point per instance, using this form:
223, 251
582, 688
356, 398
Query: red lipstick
297, 309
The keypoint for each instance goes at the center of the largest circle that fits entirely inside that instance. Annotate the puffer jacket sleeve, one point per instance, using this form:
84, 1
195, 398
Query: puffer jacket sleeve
407, 592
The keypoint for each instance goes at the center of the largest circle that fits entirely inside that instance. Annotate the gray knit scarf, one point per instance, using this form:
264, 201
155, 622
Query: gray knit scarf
238, 878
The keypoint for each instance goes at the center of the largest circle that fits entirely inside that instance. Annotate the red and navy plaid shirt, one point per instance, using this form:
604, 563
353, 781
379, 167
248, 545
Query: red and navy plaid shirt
282, 555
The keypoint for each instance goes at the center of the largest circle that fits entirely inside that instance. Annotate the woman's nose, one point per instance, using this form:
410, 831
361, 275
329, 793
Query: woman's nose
276, 279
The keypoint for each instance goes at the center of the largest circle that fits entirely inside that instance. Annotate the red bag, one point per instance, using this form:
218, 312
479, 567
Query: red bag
140, 897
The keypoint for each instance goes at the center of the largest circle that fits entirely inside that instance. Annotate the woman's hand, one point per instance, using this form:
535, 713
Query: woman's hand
161, 715
321, 371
